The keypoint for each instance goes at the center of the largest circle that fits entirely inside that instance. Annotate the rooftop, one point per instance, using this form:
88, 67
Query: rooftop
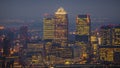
61, 11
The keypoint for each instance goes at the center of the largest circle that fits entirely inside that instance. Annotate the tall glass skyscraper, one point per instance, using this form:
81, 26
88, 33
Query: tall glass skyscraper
48, 28
82, 28
83, 34
61, 26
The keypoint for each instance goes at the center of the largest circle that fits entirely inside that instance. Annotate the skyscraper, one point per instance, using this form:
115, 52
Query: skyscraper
82, 28
48, 28
61, 26
82, 36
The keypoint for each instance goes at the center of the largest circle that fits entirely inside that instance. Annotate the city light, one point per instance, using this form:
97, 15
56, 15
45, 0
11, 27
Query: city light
51, 41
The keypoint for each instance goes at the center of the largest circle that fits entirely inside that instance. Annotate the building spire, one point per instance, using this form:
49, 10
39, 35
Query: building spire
61, 11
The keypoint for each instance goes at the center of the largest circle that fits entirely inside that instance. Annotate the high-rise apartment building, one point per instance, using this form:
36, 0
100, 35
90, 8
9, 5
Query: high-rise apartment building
48, 28
61, 26
82, 28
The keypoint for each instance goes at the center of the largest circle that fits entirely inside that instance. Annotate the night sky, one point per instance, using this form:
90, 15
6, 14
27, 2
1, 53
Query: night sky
32, 11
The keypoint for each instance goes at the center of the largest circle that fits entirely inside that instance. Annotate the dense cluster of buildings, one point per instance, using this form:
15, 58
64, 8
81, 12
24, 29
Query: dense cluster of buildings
110, 43
55, 31
55, 47
99, 45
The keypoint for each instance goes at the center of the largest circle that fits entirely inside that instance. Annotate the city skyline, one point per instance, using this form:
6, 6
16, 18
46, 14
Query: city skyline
59, 33
21, 12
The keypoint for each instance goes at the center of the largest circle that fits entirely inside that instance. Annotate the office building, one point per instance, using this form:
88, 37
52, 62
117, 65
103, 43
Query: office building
61, 26
106, 35
110, 35
48, 28
82, 28
82, 36
109, 50
116, 35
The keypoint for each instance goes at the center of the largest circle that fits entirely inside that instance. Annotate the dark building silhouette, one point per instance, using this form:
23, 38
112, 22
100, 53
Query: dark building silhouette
6, 46
23, 36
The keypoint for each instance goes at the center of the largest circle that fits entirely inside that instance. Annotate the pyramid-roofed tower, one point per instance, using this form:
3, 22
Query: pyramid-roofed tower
61, 11
61, 26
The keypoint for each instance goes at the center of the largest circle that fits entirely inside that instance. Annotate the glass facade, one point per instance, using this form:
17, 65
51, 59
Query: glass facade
48, 29
82, 28
61, 26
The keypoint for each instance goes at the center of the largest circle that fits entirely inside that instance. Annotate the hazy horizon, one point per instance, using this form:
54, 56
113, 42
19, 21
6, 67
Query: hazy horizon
27, 12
